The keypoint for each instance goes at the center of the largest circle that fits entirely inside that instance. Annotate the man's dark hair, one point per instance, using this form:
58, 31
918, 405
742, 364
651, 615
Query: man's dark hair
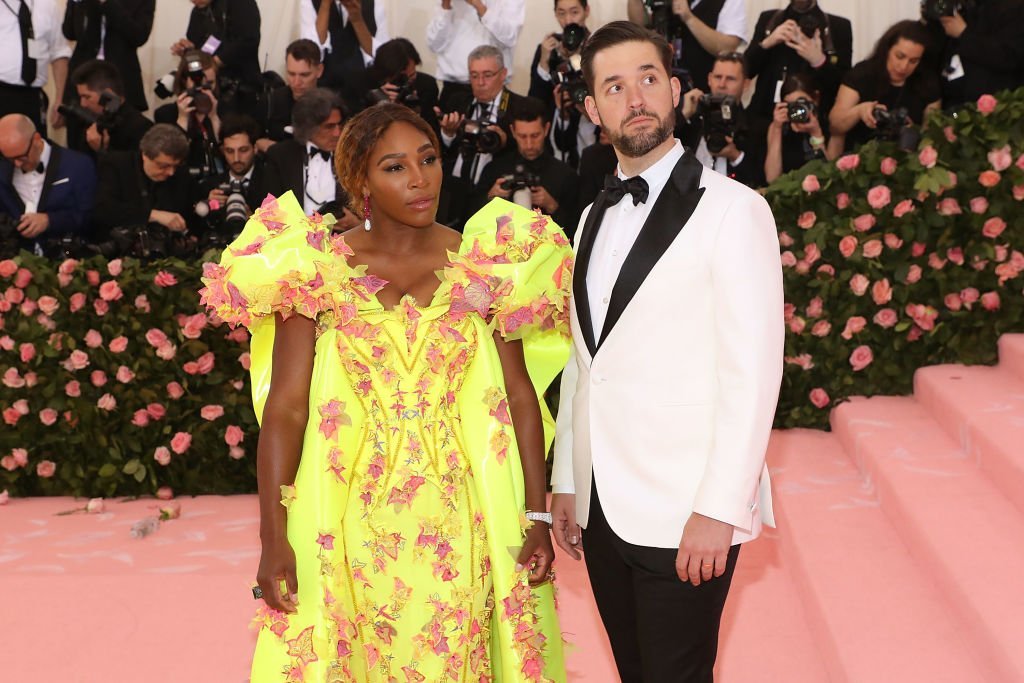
164, 138
731, 58
238, 124
530, 109
98, 75
303, 50
312, 109
391, 58
583, 3
616, 33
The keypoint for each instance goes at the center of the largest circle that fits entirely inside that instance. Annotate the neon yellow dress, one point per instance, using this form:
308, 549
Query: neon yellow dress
407, 510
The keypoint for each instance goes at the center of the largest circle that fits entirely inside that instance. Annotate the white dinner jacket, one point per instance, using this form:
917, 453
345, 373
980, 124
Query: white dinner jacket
669, 408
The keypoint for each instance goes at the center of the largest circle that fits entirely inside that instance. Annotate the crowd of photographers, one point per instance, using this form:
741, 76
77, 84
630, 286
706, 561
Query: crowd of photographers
185, 179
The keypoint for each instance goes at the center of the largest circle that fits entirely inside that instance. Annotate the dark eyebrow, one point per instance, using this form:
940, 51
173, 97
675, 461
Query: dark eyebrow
401, 155
616, 77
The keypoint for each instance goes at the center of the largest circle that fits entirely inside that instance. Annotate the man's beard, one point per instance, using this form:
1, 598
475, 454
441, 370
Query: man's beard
640, 143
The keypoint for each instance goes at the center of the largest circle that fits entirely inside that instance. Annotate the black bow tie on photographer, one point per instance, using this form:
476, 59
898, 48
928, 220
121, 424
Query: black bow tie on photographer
38, 169
324, 154
615, 189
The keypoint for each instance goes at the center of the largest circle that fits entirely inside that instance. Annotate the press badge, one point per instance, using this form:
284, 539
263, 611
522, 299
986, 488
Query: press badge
955, 69
211, 45
36, 49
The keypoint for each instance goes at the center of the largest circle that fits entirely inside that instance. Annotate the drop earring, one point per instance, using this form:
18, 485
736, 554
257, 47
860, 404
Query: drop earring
366, 213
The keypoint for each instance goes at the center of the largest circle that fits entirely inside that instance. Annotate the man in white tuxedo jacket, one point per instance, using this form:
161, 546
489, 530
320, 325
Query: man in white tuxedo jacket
668, 400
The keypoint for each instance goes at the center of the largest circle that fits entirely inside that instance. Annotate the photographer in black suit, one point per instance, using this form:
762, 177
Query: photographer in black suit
800, 38
393, 77
245, 178
229, 30
302, 69
116, 124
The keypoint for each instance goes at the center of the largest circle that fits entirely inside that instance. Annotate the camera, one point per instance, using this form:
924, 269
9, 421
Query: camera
661, 14
801, 110
104, 121
65, 247
10, 238
476, 135
569, 74
572, 37
407, 94
519, 184
895, 125
933, 10
147, 242
197, 82
232, 215
721, 120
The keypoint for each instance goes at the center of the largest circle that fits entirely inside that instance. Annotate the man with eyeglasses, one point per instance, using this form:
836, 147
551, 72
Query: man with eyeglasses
31, 35
46, 190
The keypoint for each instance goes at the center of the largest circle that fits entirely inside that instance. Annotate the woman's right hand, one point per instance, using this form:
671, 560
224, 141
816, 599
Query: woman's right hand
184, 103
277, 563
780, 116
867, 113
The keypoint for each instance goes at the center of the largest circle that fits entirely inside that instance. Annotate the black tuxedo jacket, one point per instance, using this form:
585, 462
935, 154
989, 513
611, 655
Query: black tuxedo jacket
125, 195
285, 169
128, 22
279, 113
69, 190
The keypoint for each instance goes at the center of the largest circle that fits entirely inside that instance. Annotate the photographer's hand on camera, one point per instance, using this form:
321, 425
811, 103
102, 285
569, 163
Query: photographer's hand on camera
216, 198
730, 151
809, 48
691, 103
548, 47
954, 26
866, 110
169, 219
97, 140
450, 122
181, 47
682, 9
499, 189
783, 34
543, 200
185, 109
32, 225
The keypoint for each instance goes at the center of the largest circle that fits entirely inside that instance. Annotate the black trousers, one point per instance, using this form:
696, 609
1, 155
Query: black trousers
19, 99
661, 629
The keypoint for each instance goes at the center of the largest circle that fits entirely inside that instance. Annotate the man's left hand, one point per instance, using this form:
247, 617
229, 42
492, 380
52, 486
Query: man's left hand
32, 225
97, 141
682, 8
703, 549
809, 48
730, 151
954, 26
543, 200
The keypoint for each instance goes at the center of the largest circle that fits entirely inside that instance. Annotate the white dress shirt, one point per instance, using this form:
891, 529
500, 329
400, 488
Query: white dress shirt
621, 226
732, 20
29, 186
454, 33
717, 164
586, 135
307, 27
46, 21
320, 186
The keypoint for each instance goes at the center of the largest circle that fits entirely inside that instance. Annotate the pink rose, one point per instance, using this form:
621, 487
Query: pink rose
863, 222
803, 360
953, 302
27, 352
100, 306
48, 416
785, 240
936, 261
156, 411
31, 379
14, 296
98, 378
1000, 159
28, 307
928, 156
48, 305
969, 296
1018, 192
13, 379
993, 227
819, 397
861, 358
76, 302
917, 249
93, 339
110, 291
156, 338
956, 255
987, 104
788, 310
872, 248
125, 375
22, 277
140, 418
802, 267
893, 241
1002, 251
64, 280
211, 412
788, 261
165, 279
162, 456
205, 362
20, 456
815, 307
164, 493
810, 183
859, 284
888, 166
8, 268
175, 391
245, 360
989, 178
142, 303
73, 389
114, 267
821, 328
853, 325
6, 343
167, 351
106, 402
913, 275
78, 360
7, 462
807, 220
797, 325
879, 197
181, 442
118, 344
236, 452
923, 316
848, 162
233, 435
842, 200
240, 335
847, 246
881, 292
46, 468
949, 207
979, 205
21, 405
67, 266
990, 301
949, 133
194, 325
903, 208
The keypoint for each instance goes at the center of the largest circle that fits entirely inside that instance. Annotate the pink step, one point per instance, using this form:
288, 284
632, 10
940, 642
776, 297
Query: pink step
872, 609
1011, 353
982, 409
955, 522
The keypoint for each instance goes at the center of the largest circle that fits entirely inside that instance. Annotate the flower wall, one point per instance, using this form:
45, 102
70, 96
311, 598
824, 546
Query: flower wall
115, 383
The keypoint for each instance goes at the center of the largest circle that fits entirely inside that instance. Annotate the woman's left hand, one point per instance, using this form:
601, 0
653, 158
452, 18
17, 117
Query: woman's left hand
537, 554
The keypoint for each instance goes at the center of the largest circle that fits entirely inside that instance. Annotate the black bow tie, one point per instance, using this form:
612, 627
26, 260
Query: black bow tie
38, 169
324, 154
615, 189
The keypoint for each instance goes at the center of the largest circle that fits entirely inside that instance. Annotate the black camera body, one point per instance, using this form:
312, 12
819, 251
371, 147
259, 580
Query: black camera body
572, 37
568, 73
196, 78
231, 216
10, 238
721, 115
933, 10
801, 110
146, 242
66, 246
407, 94
895, 125
104, 121
477, 136
520, 179
661, 15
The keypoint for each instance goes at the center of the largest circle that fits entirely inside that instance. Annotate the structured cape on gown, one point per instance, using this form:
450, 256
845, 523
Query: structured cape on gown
406, 514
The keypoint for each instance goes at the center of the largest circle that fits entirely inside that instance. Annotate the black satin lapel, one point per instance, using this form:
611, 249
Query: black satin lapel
52, 169
579, 275
671, 212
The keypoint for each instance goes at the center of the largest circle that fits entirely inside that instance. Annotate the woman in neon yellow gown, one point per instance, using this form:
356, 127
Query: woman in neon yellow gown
405, 512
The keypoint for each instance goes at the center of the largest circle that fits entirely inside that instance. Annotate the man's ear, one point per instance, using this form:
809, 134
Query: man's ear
319, 71
591, 105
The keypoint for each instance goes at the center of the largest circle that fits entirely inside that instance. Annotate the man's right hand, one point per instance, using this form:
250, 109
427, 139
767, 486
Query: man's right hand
547, 46
169, 219
180, 47
563, 524
277, 564
691, 102
867, 113
497, 190
780, 115
217, 195
783, 33
450, 122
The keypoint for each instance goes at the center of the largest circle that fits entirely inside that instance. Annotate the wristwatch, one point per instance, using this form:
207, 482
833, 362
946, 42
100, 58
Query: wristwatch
539, 517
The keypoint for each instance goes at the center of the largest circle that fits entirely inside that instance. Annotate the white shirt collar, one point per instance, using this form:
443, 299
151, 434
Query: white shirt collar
248, 175
659, 173
44, 158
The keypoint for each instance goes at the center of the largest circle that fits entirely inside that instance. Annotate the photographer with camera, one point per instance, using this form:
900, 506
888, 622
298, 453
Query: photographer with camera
473, 136
46, 191
888, 92
697, 30
800, 38
144, 198
348, 34
108, 121
228, 31
393, 78
795, 135
981, 46
724, 136
32, 39
229, 198
197, 112
302, 69
530, 176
